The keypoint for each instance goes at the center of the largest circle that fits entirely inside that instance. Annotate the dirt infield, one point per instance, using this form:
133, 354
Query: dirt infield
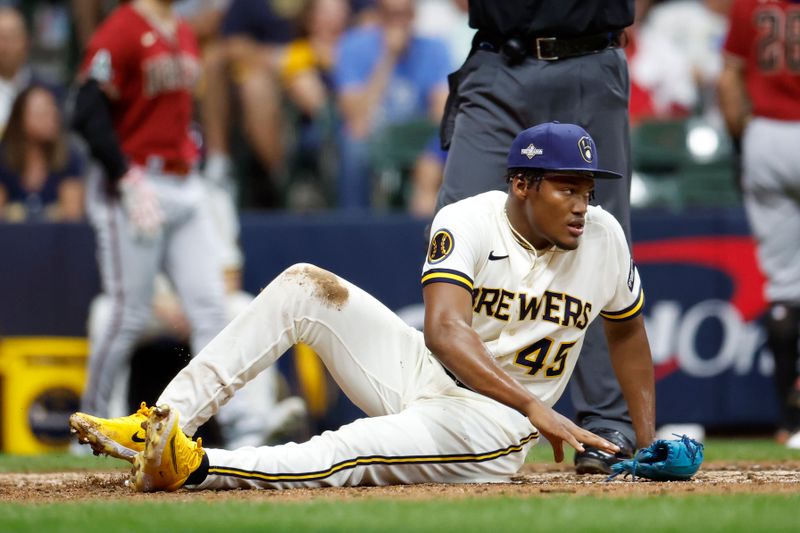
535, 480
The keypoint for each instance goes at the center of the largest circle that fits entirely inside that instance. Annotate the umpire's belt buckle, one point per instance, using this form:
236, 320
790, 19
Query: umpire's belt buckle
539, 54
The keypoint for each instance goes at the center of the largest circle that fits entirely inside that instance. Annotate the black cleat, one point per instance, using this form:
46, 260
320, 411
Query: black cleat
595, 461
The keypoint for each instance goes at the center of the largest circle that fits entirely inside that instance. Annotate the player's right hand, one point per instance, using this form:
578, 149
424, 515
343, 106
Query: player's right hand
141, 204
558, 429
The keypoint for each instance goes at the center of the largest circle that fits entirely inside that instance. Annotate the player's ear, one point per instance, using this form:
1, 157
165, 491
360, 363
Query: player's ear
519, 186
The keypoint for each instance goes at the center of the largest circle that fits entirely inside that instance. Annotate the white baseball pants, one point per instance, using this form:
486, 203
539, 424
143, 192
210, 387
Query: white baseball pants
771, 183
421, 426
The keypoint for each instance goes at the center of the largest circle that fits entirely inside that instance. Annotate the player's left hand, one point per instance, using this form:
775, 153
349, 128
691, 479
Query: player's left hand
558, 429
141, 204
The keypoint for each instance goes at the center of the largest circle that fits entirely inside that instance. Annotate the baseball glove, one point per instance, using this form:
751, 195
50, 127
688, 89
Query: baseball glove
663, 460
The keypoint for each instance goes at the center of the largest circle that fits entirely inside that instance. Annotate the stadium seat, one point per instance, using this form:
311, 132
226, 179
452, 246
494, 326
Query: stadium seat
394, 151
675, 174
708, 185
658, 146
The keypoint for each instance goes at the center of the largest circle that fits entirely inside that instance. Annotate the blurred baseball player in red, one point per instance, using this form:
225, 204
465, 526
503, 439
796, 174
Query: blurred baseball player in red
133, 108
760, 100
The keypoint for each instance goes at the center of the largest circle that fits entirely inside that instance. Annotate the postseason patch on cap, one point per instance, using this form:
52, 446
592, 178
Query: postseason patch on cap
442, 244
531, 151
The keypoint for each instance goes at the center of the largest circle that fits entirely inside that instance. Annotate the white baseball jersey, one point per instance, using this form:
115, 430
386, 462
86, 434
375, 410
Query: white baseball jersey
531, 308
531, 311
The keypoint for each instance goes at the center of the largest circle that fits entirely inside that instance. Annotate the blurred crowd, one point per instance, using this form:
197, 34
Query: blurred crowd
310, 104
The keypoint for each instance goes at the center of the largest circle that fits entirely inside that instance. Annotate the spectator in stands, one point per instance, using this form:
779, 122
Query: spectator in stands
696, 29
49, 39
306, 75
15, 74
426, 179
254, 35
308, 60
364, 12
204, 17
385, 75
662, 82
40, 171
87, 15
447, 20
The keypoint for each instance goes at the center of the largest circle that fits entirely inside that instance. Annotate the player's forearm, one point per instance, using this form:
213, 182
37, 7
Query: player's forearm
633, 365
359, 107
438, 101
378, 82
457, 346
637, 384
733, 102
92, 120
205, 23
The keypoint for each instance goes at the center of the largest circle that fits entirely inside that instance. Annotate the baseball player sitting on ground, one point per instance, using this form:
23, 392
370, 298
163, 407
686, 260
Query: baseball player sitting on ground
510, 284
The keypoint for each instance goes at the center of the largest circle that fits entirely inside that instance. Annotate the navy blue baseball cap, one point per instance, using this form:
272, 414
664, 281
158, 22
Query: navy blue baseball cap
556, 146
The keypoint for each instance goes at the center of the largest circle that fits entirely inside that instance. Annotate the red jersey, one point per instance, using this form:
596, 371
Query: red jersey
149, 77
765, 35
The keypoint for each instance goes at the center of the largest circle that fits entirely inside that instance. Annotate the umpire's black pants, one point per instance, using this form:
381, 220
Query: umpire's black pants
491, 102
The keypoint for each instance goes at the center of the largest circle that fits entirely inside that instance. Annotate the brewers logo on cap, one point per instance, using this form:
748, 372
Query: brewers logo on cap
441, 245
585, 145
551, 146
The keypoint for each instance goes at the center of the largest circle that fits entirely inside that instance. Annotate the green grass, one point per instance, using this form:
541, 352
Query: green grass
556, 512
54, 462
732, 512
748, 450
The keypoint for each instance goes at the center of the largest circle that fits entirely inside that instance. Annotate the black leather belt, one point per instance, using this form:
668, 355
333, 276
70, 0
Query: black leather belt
455, 378
546, 48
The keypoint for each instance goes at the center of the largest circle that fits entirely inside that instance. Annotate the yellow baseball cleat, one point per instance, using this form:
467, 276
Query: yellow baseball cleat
120, 437
169, 456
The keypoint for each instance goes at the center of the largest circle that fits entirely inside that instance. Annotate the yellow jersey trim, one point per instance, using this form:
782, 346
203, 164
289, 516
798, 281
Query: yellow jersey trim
627, 313
447, 276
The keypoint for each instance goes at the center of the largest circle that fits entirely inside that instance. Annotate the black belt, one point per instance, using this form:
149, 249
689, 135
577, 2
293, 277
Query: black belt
546, 48
455, 378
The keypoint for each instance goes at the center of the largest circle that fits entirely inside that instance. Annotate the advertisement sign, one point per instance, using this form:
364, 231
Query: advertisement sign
703, 289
